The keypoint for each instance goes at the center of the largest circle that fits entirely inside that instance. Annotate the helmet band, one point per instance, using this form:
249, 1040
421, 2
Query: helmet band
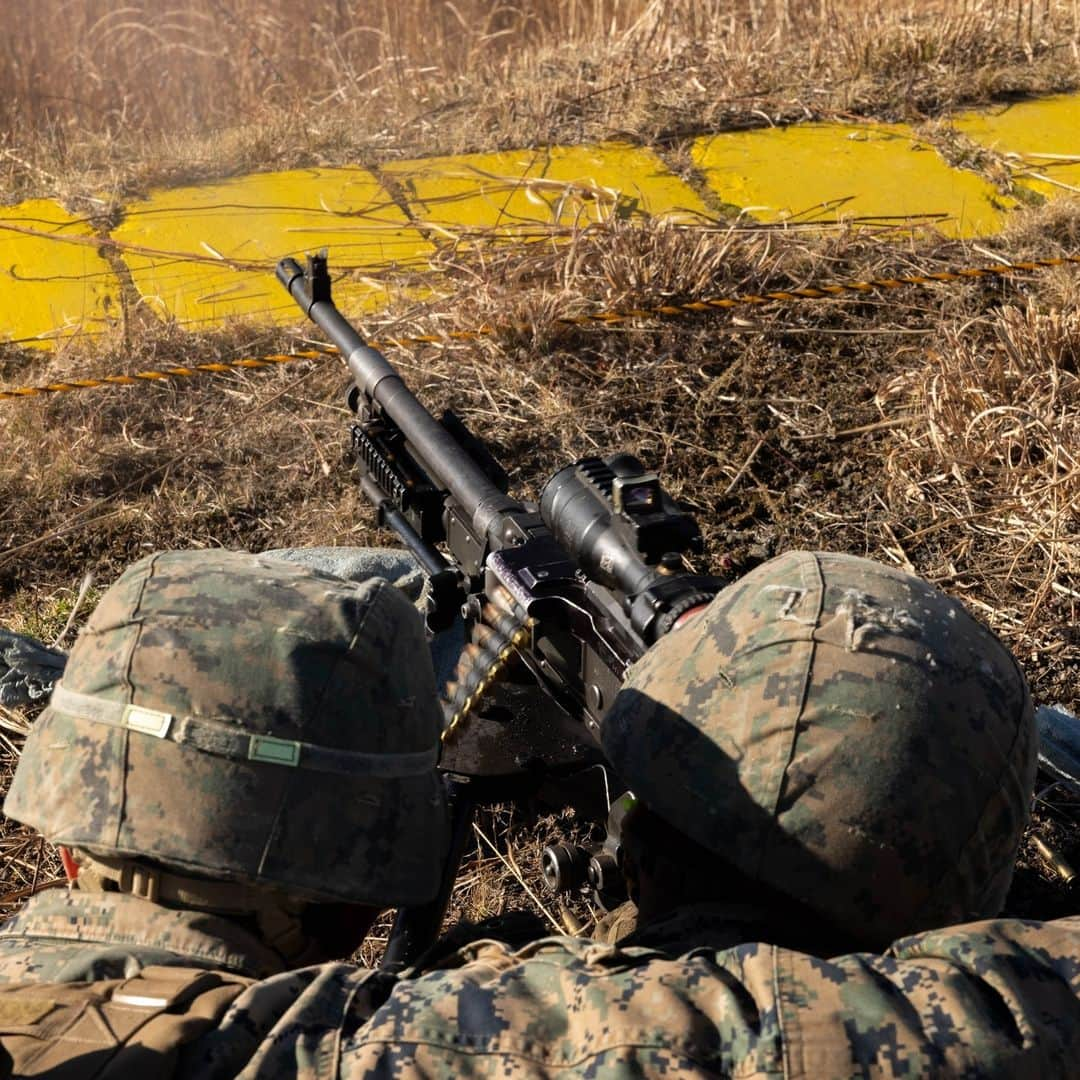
221, 739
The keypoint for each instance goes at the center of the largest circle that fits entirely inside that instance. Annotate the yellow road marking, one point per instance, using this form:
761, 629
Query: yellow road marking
1041, 138
247, 224
825, 173
205, 253
521, 194
48, 289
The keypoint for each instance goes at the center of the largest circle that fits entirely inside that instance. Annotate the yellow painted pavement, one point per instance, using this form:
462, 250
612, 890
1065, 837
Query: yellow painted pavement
206, 253
53, 282
1040, 139
525, 194
824, 173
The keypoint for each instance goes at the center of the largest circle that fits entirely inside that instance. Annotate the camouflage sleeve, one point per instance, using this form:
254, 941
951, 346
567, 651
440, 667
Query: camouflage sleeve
997, 998
288, 1025
565, 1006
992, 998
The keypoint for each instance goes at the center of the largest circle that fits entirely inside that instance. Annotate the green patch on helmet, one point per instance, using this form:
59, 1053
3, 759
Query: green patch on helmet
248, 719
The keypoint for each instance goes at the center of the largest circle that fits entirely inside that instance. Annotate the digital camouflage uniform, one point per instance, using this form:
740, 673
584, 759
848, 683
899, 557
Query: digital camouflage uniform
982, 1000
997, 998
64, 935
234, 738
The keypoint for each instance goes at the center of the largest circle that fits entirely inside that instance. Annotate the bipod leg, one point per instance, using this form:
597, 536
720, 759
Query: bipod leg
416, 929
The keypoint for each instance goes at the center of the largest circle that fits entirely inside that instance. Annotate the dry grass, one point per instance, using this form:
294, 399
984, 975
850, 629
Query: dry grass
934, 428
28, 862
96, 97
996, 449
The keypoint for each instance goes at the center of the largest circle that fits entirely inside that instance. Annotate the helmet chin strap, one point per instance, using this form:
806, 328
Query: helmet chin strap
277, 914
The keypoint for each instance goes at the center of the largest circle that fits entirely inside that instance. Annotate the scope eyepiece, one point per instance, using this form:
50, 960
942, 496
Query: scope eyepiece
637, 494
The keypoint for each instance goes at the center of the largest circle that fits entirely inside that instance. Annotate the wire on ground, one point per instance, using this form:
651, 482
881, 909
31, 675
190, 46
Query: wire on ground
601, 318
216, 367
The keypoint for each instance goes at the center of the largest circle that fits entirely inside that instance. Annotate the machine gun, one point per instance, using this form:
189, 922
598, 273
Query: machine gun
575, 588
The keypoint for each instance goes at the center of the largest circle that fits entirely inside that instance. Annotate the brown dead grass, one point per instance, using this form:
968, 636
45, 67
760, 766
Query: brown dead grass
99, 99
28, 862
996, 448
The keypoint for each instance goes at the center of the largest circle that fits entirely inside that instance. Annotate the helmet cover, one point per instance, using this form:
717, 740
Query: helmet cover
247, 719
843, 732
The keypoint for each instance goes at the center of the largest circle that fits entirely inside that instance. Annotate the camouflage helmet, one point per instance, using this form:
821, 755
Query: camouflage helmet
250, 720
844, 733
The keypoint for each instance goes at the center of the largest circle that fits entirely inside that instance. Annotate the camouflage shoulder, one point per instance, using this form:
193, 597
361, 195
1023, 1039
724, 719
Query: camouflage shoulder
1050, 946
986, 999
565, 1006
291, 1024
62, 936
983, 999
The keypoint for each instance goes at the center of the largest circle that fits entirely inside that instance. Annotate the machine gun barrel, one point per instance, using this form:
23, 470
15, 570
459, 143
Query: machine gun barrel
593, 575
456, 471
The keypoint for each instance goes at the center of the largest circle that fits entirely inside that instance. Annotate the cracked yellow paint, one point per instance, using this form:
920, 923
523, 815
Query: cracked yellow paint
1041, 139
53, 282
203, 254
825, 173
527, 194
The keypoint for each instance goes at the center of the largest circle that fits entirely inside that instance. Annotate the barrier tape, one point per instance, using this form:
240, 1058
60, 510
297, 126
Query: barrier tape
216, 367
602, 318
